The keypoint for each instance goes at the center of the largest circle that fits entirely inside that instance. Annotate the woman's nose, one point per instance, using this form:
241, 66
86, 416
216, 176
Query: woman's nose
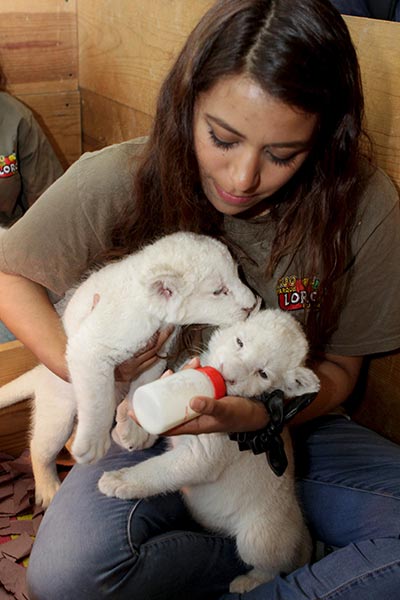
245, 173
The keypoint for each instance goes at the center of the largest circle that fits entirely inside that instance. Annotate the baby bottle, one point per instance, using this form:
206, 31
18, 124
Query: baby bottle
164, 403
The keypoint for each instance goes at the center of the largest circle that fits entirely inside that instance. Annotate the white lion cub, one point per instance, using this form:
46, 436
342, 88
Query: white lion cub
180, 279
228, 491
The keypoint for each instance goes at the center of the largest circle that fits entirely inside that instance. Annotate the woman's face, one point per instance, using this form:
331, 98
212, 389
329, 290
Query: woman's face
247, 143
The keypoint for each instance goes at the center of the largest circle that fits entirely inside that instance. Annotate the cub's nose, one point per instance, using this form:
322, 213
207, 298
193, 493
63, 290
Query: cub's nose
253, 309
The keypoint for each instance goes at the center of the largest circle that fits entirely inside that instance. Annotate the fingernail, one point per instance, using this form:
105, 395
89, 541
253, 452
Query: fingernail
198, 405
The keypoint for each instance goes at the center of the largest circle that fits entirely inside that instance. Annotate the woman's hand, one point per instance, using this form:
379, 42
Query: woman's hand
145, 358
231, 413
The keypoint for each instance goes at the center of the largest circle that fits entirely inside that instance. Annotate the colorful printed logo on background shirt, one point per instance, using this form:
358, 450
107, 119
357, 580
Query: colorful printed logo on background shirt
8, 165
295, 293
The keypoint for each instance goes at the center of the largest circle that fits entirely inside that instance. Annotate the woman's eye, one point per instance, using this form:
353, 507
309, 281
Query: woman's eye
220, 143
239, 342
263, 374
282, 162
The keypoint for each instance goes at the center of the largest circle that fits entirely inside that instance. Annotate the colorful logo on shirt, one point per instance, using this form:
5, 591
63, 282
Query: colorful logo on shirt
8, 165
295, 293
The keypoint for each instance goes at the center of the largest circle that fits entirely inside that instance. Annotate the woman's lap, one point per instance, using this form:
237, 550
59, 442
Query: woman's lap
92, 547
349, 473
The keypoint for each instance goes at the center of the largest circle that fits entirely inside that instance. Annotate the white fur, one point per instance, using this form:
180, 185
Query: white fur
228, 491
182, 278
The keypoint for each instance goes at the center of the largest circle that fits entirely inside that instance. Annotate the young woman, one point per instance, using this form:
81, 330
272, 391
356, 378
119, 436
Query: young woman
257, 140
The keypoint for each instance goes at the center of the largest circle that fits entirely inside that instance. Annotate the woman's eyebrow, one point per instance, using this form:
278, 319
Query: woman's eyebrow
225, 125
294, 144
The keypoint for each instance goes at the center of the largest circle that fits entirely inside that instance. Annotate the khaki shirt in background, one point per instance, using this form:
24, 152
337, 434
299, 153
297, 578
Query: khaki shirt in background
28, 164
56, 241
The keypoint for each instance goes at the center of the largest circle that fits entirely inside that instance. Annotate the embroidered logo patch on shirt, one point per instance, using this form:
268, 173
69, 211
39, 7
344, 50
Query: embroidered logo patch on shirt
8, 165
295, 293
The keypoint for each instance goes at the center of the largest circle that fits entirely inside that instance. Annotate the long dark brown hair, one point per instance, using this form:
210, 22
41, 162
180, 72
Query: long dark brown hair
2, 80
301, 53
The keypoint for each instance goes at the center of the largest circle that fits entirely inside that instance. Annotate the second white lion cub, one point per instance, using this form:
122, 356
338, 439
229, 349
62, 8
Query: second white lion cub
228, 491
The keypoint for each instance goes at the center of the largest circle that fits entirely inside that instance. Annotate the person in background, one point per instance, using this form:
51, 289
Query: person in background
258, 140
388, 10
28, 164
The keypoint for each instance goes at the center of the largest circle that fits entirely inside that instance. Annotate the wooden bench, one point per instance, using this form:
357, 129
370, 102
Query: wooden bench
15, 359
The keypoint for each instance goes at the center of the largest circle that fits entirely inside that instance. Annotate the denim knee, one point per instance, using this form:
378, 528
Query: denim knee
90, 546
176, 564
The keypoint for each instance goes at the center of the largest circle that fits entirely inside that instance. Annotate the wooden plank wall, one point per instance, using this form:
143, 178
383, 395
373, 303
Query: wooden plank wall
127, 46
15, 359
125, 49
378, 47
39, 56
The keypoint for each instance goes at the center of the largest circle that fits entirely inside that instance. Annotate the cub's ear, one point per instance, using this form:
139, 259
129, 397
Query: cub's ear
165, 282
300, 381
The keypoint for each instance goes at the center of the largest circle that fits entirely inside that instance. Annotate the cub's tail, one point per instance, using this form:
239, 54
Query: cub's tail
19, 389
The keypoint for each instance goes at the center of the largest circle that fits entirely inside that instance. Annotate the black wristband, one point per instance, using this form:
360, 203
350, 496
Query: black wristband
268, 439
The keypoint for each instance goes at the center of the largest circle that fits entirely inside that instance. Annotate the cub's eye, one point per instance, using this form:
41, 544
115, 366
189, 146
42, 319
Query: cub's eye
239, 342
223, 290
263, 374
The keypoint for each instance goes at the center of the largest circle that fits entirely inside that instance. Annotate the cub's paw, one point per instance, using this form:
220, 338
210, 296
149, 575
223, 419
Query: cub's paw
245, 583
89, 448
44, 494
130, 435
121, 484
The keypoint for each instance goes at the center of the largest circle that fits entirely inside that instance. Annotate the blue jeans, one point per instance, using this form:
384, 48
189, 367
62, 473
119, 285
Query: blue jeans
91, 547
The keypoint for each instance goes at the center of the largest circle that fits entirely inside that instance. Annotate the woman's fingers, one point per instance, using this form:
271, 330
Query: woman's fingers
144, 358
231, 413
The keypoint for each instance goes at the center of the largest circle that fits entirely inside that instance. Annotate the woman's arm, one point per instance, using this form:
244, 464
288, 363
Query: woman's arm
27, 311
338, 375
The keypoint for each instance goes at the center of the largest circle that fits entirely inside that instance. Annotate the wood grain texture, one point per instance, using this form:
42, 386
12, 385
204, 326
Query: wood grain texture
380, 406
378, 49
15, 359
106, 121
59, 115
127, 46
38, 45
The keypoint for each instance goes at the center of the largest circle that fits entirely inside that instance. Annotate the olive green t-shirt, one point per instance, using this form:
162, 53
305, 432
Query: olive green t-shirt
58, 238
28, 164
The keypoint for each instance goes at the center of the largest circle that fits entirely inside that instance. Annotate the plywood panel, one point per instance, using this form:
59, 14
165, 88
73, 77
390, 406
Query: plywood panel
59, 115
380, 407
106, 122
378, 47
38, 45
126, 47
15, 359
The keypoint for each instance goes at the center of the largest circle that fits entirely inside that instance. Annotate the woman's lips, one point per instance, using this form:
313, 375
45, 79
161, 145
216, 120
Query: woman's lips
230, 198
